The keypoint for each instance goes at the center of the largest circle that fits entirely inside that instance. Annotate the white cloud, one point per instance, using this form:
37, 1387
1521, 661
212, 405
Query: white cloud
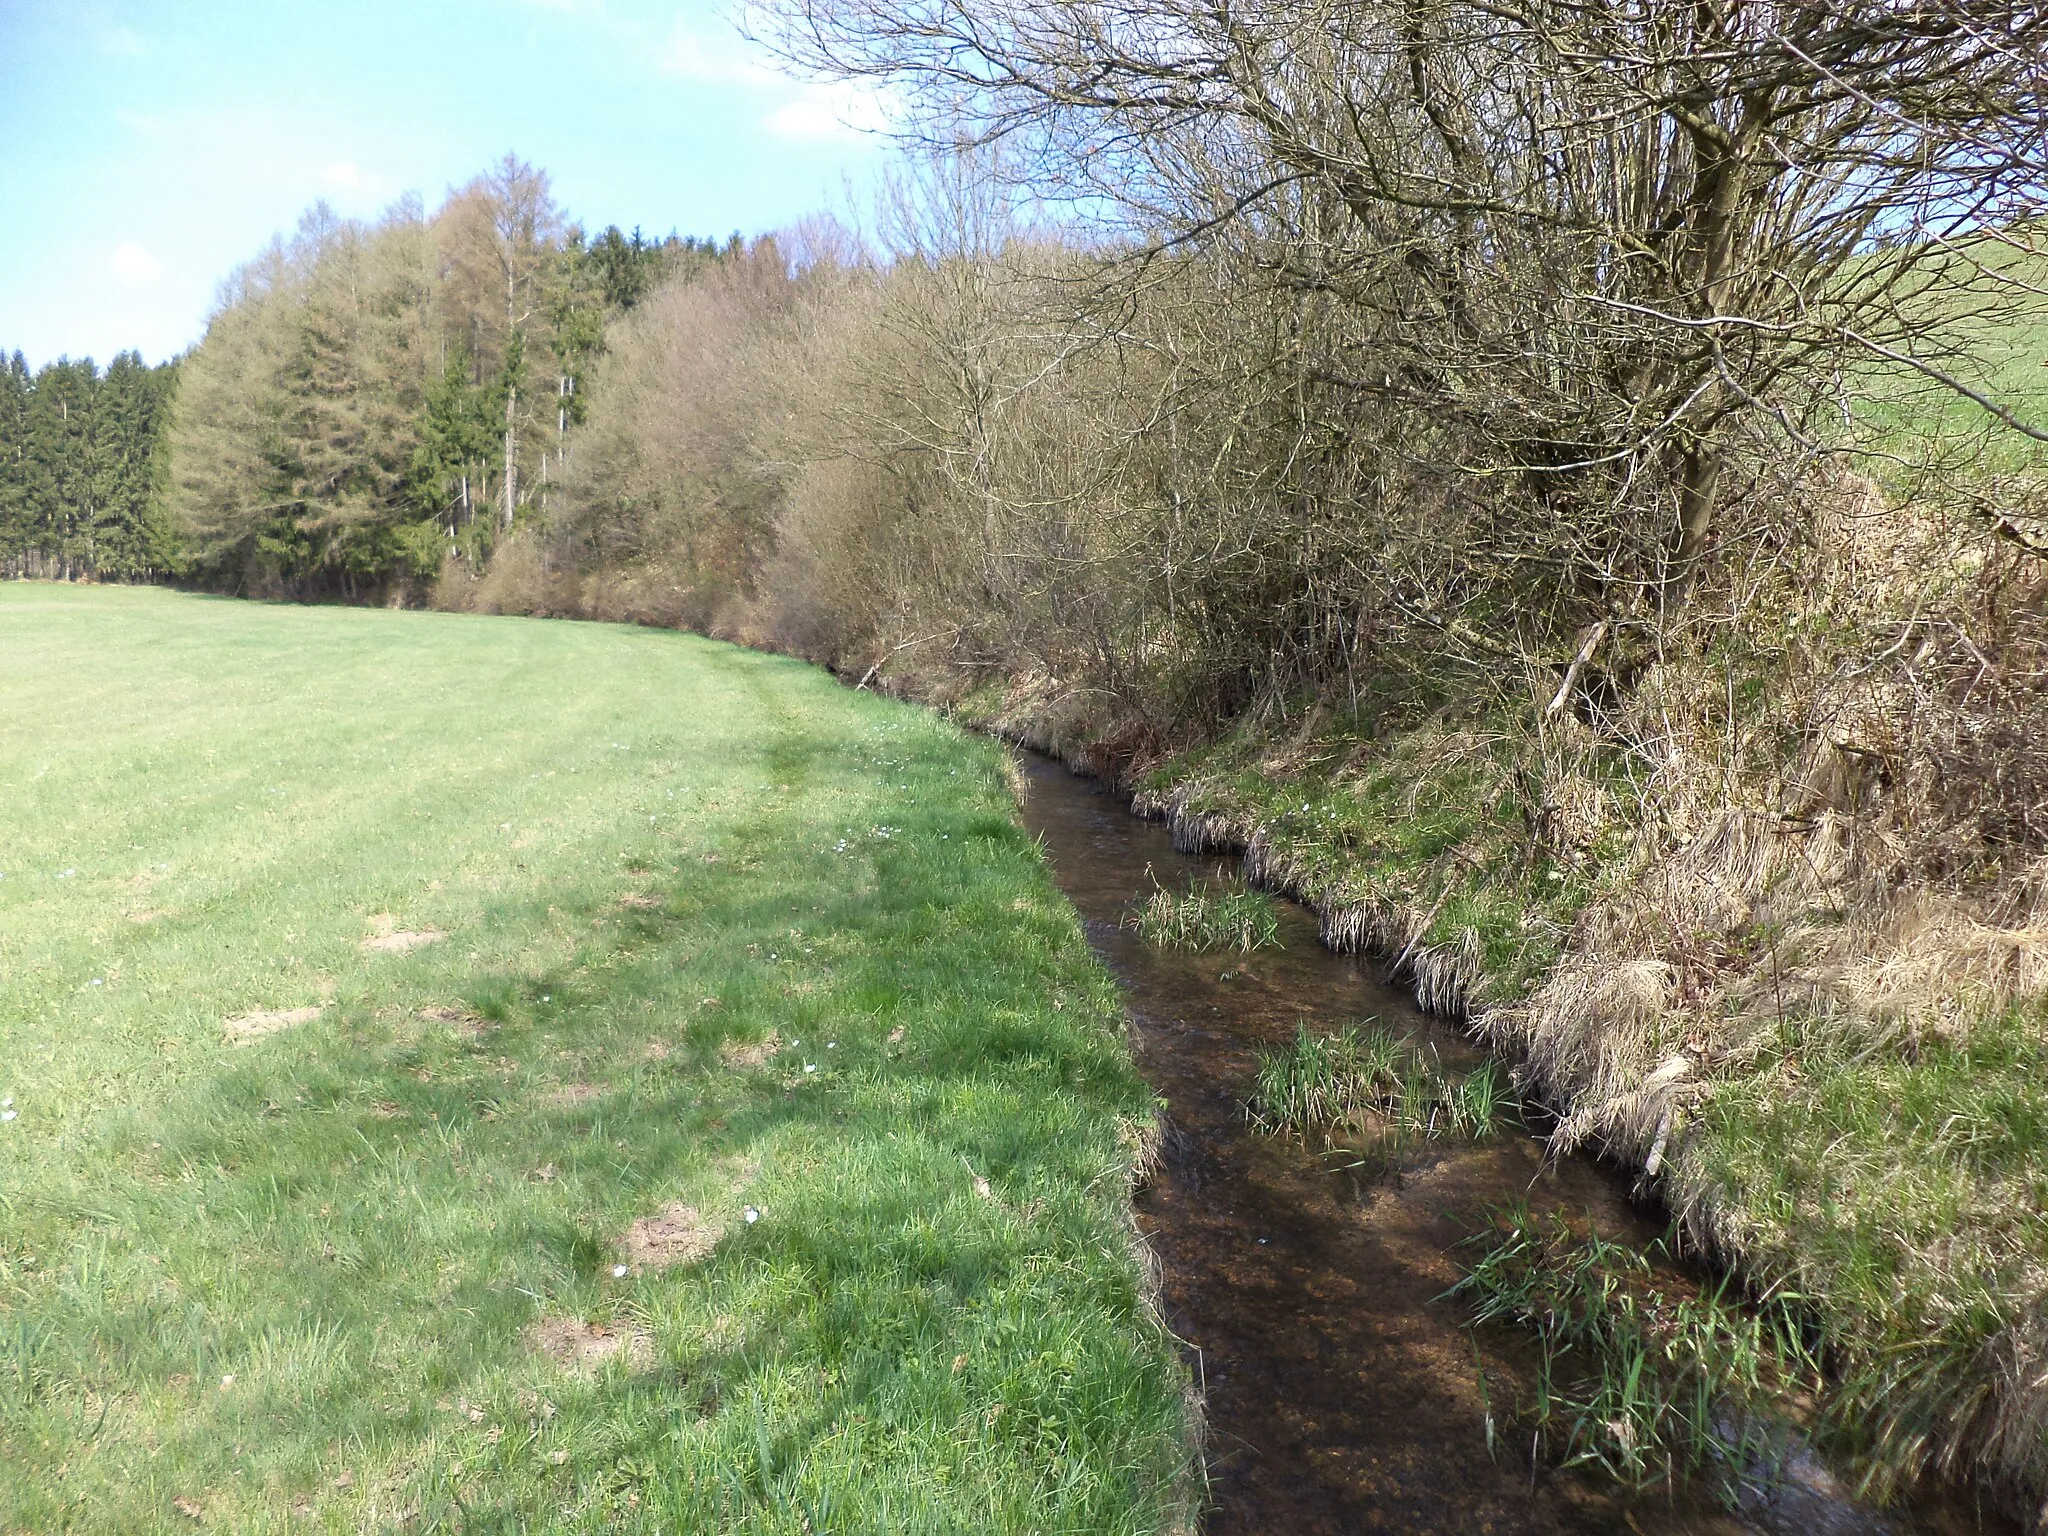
719, 56
134, 266
831, 110
347, 176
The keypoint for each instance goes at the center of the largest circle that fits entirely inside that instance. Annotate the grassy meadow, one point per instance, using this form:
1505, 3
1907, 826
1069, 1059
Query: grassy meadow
499, 1075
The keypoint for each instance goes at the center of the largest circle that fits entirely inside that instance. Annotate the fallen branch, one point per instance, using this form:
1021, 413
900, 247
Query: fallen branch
1571, 673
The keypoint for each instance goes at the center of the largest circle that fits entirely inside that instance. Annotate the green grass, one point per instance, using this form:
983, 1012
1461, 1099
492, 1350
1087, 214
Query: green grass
1373, 1082
1231, 916
293, 1284
1414, 821
1651, 1385
1992, 340
1909, 1191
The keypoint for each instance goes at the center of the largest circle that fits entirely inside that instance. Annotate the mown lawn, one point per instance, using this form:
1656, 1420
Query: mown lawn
365, 977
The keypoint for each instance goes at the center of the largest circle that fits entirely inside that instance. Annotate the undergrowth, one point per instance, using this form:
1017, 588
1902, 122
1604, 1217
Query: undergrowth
1767, 919
1415, 843
1910, 1189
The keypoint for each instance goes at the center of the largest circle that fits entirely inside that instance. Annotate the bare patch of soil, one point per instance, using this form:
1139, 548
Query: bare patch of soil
570, 1095
244, 1027
582, 1348
735, 1054
640, 901
676, 1234
468, 1024
390, 939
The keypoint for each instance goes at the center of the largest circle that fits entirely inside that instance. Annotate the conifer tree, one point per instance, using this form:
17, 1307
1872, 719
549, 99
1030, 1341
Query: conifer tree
133, 538
372, 397
15, 387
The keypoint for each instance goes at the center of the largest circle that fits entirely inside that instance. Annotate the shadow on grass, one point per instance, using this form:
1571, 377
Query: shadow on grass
308, 1283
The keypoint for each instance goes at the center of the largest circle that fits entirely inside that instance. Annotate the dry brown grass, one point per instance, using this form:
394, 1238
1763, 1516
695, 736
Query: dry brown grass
387, 938
583, 1348
738, 1053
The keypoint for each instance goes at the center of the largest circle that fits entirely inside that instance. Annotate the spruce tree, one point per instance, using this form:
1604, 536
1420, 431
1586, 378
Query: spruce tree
15, 388
64, 470
133, 539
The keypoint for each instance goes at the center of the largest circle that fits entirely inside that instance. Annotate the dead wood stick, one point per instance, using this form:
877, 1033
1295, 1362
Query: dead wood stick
1571, 673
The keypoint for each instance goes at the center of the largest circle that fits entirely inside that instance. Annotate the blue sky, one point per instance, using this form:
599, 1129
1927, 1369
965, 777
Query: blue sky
148, 148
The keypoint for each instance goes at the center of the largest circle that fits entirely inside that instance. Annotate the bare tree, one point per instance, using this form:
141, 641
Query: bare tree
1593, 251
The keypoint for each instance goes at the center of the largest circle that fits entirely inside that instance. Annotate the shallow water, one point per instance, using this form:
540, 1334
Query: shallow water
1341, 1393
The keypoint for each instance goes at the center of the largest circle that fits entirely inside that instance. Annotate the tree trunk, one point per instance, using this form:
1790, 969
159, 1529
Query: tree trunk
511, 456
1699, 491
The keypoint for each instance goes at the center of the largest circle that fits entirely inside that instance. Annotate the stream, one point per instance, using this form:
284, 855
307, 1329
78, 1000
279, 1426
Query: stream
1341, 1393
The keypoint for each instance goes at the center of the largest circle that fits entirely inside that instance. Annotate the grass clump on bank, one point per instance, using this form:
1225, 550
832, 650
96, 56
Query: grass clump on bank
488, 1074
1650, 1386
1228, 917
1411, 839
1909, 1186
1375, 1083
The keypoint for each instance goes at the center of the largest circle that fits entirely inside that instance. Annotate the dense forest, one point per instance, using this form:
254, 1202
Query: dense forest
83, 458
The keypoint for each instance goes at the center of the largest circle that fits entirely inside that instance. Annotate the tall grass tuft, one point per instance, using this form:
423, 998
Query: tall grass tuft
1232, 916
1372, 1080
1649, 1386
1322, 1081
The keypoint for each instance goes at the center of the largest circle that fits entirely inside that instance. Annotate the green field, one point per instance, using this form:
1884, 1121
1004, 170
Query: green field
375, 986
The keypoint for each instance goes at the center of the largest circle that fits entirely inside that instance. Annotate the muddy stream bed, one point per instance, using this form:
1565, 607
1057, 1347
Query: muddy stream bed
1341, 1393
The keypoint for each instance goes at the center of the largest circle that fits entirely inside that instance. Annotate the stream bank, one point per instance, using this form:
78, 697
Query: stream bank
1342, 1393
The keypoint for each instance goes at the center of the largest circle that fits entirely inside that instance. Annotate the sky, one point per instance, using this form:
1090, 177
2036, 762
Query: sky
147, 149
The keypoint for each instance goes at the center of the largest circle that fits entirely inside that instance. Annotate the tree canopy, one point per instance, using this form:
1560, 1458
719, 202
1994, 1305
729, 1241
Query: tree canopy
372, 399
